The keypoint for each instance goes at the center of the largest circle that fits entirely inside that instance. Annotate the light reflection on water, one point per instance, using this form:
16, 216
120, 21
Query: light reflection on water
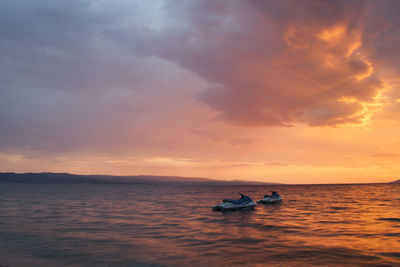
169, 225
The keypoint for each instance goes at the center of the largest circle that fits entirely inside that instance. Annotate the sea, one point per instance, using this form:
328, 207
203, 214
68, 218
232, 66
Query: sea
174, 225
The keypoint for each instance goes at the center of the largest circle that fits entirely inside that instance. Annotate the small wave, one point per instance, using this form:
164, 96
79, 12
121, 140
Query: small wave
391, 254
326, 254
392, 234
389, 219
196, 242
334, 222
273, 227
339, 208
205, 219
242, 241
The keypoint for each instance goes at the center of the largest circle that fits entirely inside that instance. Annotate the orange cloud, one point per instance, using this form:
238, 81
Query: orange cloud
333, 34
299, 67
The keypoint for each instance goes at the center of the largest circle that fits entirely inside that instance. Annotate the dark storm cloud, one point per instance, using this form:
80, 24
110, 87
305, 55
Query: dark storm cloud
65, 83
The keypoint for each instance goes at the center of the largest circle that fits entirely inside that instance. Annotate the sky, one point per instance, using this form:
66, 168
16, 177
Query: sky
276, 91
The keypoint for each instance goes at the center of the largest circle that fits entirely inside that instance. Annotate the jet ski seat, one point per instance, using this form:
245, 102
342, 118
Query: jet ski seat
237, 201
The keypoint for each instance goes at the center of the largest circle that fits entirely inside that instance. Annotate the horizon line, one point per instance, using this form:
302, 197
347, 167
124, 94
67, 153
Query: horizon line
243, 181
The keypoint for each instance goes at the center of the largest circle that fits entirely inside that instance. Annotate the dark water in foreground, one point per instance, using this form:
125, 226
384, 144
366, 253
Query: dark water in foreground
173, 225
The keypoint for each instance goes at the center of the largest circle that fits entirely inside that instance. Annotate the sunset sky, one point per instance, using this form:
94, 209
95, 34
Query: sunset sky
276, 91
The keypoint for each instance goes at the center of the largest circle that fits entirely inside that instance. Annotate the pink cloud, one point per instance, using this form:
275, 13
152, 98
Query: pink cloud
271, 63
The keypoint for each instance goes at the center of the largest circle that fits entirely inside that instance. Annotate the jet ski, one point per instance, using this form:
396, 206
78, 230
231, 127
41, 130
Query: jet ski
270, 199
244, 202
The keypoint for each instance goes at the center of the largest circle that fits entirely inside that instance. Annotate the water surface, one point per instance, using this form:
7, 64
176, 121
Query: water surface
173, 225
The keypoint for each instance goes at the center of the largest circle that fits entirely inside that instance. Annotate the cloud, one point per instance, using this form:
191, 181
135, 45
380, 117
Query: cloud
386, 155
216, 137
115, 75
272, 63
243, 141
67, 84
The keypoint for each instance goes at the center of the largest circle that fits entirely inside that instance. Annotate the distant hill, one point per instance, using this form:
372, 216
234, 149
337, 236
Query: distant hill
49, 177
395, 182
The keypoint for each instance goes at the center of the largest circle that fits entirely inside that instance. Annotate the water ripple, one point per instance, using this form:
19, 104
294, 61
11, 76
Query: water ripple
165, 225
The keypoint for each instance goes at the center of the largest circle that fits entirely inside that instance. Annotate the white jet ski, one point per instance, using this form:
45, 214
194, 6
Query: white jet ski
270, 199
244, 202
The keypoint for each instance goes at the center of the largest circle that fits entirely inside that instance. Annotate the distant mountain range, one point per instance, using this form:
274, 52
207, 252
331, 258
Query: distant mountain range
49, 177
395, 182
